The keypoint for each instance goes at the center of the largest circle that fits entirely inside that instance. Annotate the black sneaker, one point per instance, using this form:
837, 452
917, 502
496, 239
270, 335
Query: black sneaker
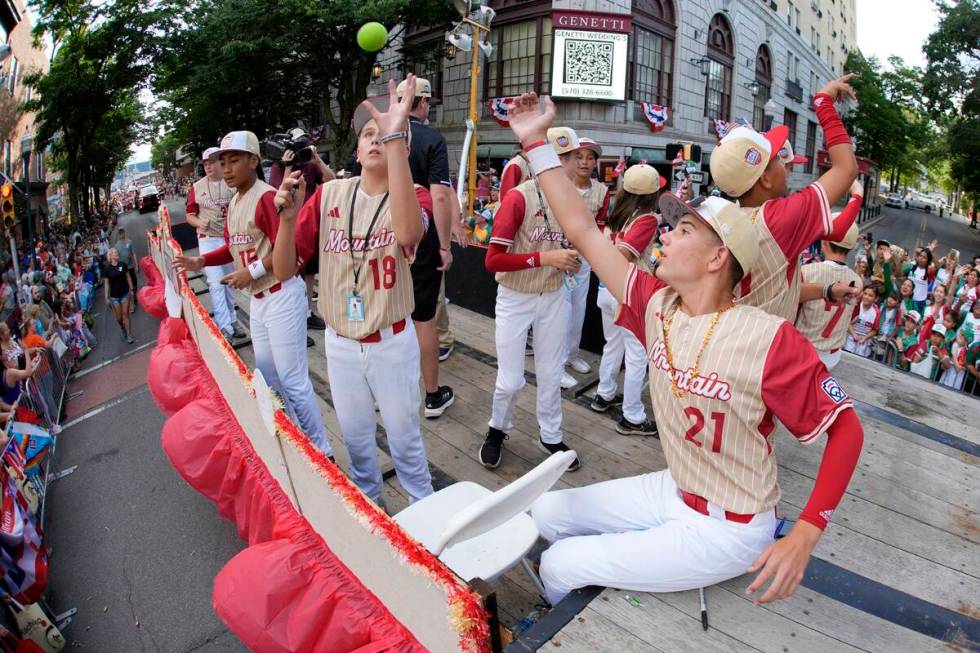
437, 402
315, 322
626, 427
493, 448
601, 405
446, 352
556, 448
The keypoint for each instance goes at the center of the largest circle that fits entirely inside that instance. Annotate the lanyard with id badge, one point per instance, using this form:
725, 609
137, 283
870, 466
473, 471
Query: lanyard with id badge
355, 301
571, 282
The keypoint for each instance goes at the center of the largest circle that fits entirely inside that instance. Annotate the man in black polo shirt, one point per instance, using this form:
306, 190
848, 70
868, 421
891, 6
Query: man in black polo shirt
429, 162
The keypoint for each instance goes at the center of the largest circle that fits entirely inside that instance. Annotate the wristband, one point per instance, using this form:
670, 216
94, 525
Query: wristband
542, 159
535, 144
834, 132
393, 136
827, 292
256, 269
443, 249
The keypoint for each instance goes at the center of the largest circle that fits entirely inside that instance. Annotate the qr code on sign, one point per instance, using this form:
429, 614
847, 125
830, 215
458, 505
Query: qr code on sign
588, 62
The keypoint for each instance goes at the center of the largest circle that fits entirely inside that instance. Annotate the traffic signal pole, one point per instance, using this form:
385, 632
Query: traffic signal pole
9, 221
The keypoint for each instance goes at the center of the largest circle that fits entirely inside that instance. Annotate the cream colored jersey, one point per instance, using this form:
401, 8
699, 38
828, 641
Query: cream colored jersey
538, 231
247, 241
212, 199
716, 415
821, 322
380, 265
594, 196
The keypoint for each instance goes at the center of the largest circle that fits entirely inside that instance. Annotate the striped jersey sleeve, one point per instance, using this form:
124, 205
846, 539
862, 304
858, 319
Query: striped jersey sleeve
798, 220
508, 219
798, 389
640, 287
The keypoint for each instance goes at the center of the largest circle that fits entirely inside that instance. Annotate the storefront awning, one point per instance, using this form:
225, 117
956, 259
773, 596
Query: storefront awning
495, 151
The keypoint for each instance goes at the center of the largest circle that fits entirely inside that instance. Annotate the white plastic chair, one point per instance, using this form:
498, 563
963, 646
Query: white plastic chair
478, 533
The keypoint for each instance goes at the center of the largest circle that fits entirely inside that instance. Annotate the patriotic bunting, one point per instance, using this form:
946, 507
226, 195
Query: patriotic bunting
656, 115
499, 106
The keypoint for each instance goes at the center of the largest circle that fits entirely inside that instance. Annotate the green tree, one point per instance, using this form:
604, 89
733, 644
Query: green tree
266, 67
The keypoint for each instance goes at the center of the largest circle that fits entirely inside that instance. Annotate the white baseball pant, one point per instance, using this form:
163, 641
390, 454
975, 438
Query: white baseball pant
621, 343
222, 296
278, 325
637, 534
386, 372
576, 318
516, 312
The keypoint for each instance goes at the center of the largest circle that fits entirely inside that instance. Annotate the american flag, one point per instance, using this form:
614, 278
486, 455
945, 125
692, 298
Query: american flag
656, 115
499, 106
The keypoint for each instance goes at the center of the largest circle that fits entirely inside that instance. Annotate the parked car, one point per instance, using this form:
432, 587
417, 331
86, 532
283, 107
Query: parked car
149, 199
919, 201
895, 199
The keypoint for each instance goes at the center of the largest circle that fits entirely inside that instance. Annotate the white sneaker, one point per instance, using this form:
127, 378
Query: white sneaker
579, 365
568, 381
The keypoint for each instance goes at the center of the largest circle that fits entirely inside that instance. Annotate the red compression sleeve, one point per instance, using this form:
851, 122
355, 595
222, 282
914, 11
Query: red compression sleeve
500, 260
834, 132
219, 256
845, 219
844, 440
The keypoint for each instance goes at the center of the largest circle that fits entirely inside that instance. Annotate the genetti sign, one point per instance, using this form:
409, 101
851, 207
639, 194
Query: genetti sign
589, 55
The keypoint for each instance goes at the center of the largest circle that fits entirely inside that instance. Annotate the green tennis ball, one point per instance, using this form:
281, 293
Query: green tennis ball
372, 36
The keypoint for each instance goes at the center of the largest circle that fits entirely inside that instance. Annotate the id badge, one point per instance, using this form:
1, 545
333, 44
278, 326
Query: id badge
355, 307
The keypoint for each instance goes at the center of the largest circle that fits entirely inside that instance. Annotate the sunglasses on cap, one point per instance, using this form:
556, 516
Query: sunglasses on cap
787, 156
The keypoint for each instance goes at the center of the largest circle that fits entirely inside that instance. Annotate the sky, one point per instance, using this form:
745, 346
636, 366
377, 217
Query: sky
886, 27
881, 31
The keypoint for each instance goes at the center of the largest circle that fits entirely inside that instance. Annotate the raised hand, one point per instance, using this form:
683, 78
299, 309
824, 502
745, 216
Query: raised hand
839, 88
396, 117
530, 117
293, 186
857, 188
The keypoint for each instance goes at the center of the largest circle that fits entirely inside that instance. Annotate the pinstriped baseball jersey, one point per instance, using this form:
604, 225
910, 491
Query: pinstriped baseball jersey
754, 368
821, 322
786, 226
212, 199
594, 196
638, 229
384, 279
246, 241
539, 232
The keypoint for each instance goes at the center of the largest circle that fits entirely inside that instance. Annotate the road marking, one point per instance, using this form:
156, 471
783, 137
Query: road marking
113, 360
109, 404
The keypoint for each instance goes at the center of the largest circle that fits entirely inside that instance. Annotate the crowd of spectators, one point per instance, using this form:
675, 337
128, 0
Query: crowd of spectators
919, 312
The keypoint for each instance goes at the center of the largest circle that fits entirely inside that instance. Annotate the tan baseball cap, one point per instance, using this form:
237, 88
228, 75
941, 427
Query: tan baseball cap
241, 141
850, 238
742, 156
563, 139
586, 143
362, 115
422, 87
737, 233
642, 179
209, 154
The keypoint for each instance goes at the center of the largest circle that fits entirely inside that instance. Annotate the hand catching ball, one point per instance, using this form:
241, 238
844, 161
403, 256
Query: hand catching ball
372, 36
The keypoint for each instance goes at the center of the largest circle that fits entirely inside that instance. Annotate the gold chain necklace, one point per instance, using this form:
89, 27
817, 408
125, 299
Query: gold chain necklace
668, 321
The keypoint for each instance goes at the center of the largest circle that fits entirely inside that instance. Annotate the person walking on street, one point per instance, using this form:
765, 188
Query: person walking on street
124, 246
429, 163
207, 209
118, 289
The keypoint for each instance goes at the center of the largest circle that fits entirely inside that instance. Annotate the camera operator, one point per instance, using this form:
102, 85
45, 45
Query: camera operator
315, 172
429, 163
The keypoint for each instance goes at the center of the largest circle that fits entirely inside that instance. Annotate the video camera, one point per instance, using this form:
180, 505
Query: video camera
296, 140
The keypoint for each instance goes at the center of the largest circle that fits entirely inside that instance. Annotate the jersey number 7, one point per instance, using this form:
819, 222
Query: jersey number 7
834, 319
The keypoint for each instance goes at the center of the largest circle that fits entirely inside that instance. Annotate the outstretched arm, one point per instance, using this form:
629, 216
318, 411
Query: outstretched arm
843, 165
530, 120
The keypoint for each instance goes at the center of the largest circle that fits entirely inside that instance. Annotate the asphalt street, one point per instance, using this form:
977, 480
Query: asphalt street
133, 547
909, 228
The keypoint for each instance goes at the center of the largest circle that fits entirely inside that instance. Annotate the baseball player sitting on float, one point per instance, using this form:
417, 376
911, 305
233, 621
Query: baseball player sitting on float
367, 228
720, 376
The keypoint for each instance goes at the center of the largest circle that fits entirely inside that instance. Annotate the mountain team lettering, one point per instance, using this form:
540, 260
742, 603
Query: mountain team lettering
536, 234
212, 200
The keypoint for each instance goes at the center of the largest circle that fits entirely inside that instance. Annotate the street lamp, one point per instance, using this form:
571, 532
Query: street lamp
769, 111
26, 145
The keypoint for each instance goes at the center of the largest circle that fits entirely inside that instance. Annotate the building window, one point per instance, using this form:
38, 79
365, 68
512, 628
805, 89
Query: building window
811, 146
425, 60
721, 58
12, 79
8, 158
763, 79
652, 72
521, 59
789, 119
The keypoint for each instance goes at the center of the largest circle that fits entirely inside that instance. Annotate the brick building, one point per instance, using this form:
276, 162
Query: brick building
24, 58
703, 59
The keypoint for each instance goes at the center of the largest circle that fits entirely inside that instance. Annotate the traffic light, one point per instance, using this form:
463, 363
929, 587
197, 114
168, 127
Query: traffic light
7, 205
691, 151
